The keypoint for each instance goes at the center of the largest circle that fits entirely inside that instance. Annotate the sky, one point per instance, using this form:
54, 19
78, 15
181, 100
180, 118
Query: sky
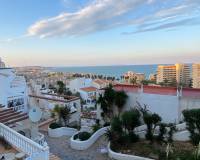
99, 32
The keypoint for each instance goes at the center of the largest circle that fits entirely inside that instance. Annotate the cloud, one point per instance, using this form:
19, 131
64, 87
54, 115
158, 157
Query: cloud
170, 25
102, 15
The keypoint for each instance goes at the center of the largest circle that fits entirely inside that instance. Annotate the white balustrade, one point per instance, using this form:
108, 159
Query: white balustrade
23, 143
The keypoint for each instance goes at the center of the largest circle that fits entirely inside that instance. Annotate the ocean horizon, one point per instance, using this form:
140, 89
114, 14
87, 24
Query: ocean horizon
115, 70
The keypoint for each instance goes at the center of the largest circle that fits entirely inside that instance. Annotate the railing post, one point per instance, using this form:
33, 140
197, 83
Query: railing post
46, 153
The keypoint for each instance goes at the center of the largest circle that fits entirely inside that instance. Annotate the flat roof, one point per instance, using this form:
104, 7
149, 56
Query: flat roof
53, 99
88, 89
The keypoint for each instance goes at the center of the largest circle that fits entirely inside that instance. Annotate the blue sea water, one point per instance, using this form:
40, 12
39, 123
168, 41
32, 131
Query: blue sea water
116, 71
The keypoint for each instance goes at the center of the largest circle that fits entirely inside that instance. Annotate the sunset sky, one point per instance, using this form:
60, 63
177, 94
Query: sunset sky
99, 32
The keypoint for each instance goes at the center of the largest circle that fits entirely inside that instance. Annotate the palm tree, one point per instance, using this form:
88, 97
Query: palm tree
120, 100
133, 80
101, 100
109, 97
61, 87
57, 111
65, 114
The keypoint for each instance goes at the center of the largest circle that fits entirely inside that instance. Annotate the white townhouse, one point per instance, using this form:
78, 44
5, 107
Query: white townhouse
76, 84
88, 94
13, 90
47, 102
100, 83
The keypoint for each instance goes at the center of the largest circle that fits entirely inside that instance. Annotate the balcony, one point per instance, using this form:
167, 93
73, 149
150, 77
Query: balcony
23, 144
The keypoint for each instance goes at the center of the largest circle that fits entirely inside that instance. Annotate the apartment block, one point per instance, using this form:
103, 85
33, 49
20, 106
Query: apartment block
196, 75
180, 73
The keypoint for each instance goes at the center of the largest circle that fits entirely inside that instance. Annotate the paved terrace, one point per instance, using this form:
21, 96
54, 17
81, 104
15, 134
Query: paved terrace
61, 148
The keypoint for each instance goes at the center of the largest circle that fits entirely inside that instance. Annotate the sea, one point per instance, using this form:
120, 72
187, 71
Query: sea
115, 71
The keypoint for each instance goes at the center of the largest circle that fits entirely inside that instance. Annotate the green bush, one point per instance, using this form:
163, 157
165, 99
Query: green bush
162, 132
54, 125
130, 120
152, 121
82, 136
116, 125
106, 124
133, 137
96, 127
192, 119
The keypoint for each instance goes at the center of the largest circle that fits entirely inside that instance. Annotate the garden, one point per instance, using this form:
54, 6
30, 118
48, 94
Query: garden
156, 140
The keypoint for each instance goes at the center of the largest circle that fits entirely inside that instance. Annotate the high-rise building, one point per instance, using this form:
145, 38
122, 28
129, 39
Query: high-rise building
178, 73
196, 75
2, 64
166, 73
183, 74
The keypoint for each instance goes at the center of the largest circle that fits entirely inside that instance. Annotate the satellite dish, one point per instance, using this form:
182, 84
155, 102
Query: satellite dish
35, 114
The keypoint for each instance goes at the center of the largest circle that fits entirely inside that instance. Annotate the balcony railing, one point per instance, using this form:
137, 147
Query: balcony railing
24, 144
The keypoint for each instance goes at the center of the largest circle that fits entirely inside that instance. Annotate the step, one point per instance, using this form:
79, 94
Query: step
53, 157
6, 111
9, 115
16, 120
12, 117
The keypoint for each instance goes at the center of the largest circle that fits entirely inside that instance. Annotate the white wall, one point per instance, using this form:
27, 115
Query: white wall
166, 106
12, 87
188, 103
76, 84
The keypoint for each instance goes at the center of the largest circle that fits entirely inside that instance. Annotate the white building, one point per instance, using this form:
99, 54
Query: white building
88, 94
100, 83
168, 102
178, 73
13, 90
47, 103
196, 75
76, 84
2, 64
132, 77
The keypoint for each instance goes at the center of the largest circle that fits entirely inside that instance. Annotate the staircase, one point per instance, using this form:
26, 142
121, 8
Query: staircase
10, 116
53, 157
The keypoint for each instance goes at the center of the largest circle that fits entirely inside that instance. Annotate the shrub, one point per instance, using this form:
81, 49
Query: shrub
106, 124
192, 119
83, 136
133, 137
152, 121
116, 125
54, 125
130, 120
162, 132
96, 127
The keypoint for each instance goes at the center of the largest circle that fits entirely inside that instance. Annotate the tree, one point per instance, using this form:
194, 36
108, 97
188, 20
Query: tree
133, 80
120, 100
57, 112
65, 114
152, 121
130, 120
192, 118
109, 98
61, 87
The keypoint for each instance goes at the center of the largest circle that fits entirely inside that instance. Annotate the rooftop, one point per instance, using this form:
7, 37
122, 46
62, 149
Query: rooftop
101, 81
186, 92
88, 89
53, 99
